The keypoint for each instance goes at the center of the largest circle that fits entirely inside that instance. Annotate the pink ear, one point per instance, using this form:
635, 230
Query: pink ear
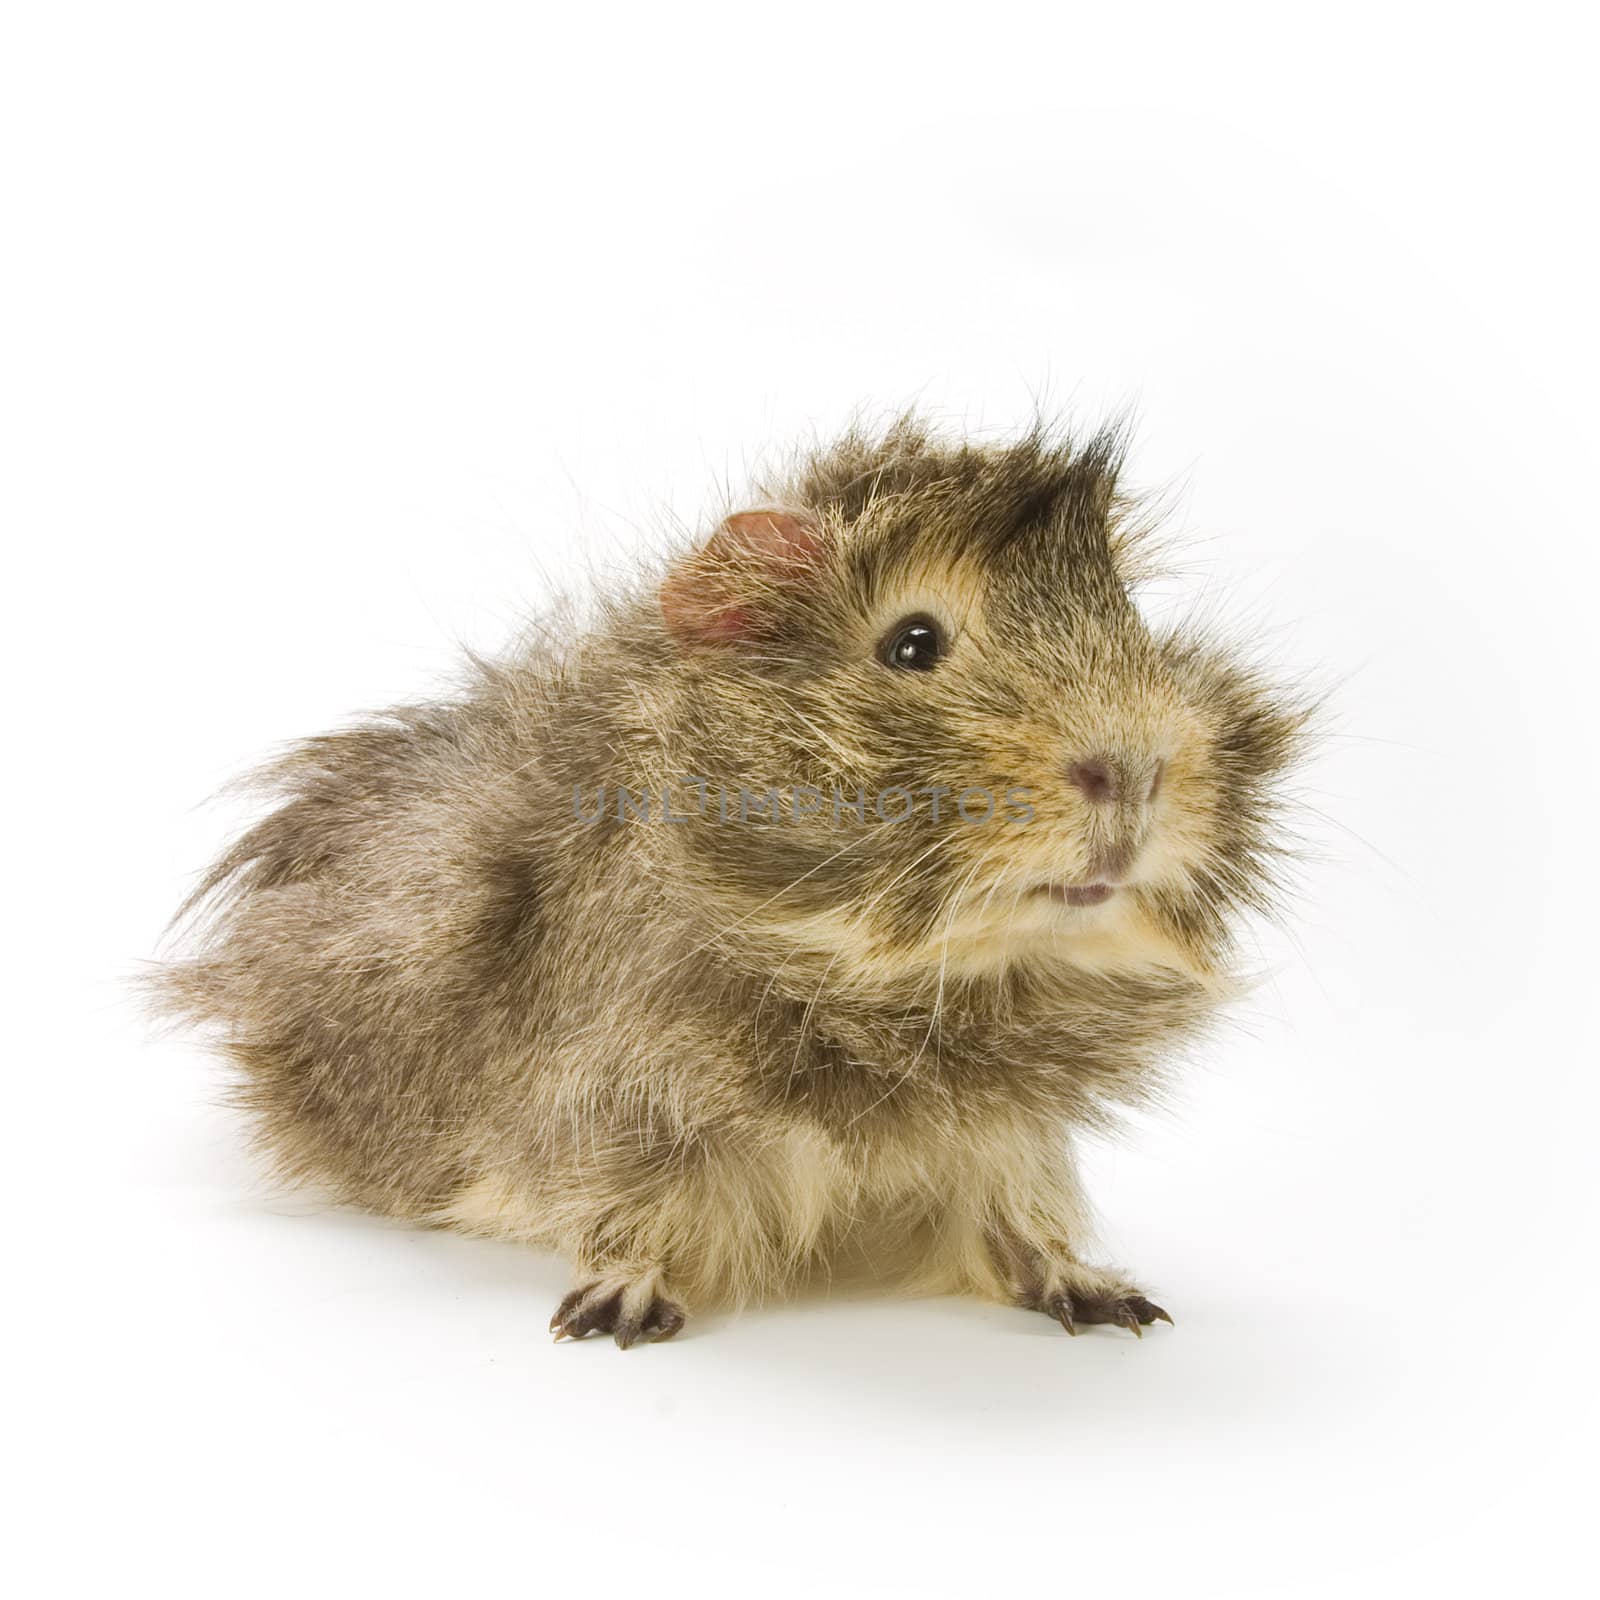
714, 594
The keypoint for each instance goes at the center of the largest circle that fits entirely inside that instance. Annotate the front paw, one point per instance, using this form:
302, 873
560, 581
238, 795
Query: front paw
1083, 1295
629, 1309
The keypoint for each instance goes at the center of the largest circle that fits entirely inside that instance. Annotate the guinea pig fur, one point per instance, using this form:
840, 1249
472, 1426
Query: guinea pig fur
789, 916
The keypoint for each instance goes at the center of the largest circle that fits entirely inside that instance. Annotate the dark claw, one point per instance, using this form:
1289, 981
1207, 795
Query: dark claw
1060, 1307
568, 1301
1146, 1311
660, 1321
663, 1319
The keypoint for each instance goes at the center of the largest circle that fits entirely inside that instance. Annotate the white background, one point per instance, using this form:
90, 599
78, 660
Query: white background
335, 335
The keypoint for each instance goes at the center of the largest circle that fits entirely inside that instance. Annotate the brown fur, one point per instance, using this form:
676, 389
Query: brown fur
707, 1059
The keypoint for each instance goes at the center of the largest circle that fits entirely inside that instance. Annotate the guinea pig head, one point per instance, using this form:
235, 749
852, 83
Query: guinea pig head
932, 732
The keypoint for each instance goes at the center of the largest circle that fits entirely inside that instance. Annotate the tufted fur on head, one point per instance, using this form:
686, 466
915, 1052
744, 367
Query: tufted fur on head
635, 948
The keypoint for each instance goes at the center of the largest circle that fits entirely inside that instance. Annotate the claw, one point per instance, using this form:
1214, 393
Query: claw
558, 1321
1126, 1317
663, 1320
1059, 1306
1147, 1311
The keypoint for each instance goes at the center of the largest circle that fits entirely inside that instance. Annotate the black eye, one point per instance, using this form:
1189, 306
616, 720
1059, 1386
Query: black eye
914, 644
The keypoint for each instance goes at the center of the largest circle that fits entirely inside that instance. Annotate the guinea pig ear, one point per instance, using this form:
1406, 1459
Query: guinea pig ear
715, 594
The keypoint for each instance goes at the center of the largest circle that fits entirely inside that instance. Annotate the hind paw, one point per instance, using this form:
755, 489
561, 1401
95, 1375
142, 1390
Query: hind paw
1130, 1311
629, 1309
1077, 1295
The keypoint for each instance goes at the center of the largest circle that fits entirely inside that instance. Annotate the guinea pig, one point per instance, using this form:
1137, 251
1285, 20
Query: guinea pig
791, 915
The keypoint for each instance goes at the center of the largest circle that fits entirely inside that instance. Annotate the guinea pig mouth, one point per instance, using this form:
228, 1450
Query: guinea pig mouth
1078, 894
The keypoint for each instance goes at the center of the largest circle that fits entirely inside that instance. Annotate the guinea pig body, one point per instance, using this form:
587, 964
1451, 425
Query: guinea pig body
789, 917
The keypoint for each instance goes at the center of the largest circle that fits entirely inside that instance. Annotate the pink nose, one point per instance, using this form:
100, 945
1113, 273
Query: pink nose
1104, 781
1100, 780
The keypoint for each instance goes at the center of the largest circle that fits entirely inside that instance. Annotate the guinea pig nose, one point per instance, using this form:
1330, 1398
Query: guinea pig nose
1100, 779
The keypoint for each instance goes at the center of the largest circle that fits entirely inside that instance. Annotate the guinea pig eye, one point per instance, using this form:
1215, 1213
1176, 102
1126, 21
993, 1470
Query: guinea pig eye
914, 645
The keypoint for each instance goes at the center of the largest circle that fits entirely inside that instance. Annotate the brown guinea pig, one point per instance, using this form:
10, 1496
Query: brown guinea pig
791, 914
